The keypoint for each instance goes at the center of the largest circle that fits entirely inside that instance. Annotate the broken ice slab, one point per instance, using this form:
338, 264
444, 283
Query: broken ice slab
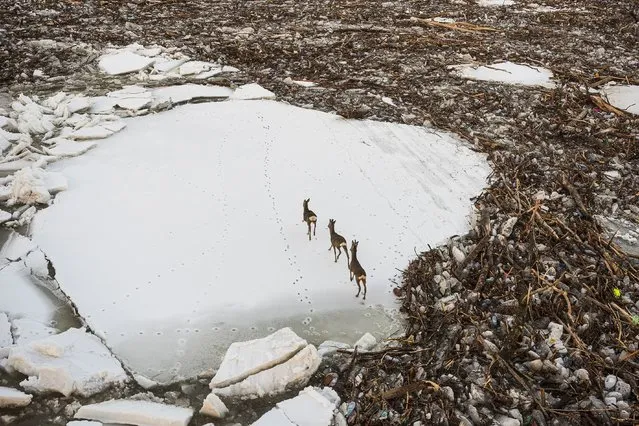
99, 131
141, 413
35, 186
624, 97
495, 3
329, 347
291, 374
70, 362
252, 91
68, 148
27, 330
312, 407
123, 63
188, 92
214, 407
507, 72
10, 397
195, 67
243, 359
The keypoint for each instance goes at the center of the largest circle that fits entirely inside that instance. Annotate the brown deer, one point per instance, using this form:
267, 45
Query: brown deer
309, 217
337, 242
356, 270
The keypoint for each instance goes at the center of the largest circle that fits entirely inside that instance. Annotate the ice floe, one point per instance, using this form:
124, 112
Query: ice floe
133, 412
214, 407
507, 72
495, 3
311, 407
123, 63
70, 362
252, 91
10, 397
27, 330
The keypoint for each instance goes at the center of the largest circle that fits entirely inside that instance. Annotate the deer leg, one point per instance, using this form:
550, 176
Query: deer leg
334, 254
351, 273
314, 227
348, 259
309, 230
358, 288
339, 253
364, 282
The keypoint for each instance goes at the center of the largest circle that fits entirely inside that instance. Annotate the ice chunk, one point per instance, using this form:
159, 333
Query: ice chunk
626, 98
99, 131
493, 3
252, 91
6, 338
195, 67
166, 65
507, 72
330, 347
70, 362
4, 216
141, 413
243, 359
214, 407
187, 92
293, 373
68, 148
309, 408
27, 330
78, 104
123, 62
83, 423
302, 83
28, 187
366, 342
145, 382
10, 397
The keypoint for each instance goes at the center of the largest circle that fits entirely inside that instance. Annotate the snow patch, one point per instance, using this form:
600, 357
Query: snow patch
507, 72
70, 362
141, 413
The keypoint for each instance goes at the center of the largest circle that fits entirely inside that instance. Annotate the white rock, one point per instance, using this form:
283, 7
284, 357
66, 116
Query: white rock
142, 413
6, 338
582, 375
26, 330
123, 63
458, 255
507, 227
293, 373
330, 347
214, 407
243, 359
506, 421
303, 83
623, 388
366, 342
609, 400
554, 339
10, 397
612, 174
252, 91
70, 362
309, 408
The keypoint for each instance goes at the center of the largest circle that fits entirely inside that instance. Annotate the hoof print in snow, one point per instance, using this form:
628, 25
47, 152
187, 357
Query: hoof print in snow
266, 367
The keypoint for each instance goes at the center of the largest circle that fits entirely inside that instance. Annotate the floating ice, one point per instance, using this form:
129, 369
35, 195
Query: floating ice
142, 413
507, 72
187, 92
70, 362
252, 91
10, 397
214, 407
243, 359
329, 347
209, 188
27, 330
626, 98
366, 342
310, 407
123, 63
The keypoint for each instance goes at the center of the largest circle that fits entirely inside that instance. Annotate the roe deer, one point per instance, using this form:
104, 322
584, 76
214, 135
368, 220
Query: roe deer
309, 217
337, 242
356, 270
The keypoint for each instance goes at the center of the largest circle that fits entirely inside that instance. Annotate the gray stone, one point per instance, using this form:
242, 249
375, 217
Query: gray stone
623, 388
610, 381
506, 421
609, 400
449, 393
582, 375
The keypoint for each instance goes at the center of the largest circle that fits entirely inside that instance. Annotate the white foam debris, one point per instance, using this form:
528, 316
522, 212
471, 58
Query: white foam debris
70, 362
243, 359
624, 97
291, 374
6, 338
10, 397
252, 91
187, 92
366, 342
214, 407
28, 187
141, 413
310, 407
123, 63
27, 330
507, 72
68, 148
494, 3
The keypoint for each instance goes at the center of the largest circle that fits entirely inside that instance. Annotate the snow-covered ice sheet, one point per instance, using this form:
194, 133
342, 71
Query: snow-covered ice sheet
70, 362
187, 92
245, 358
624, 97
123, 62
27, 330
6, 338
507, 72
195, 219
252, 91
310, 407
10, 397
291, 374
141, 413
